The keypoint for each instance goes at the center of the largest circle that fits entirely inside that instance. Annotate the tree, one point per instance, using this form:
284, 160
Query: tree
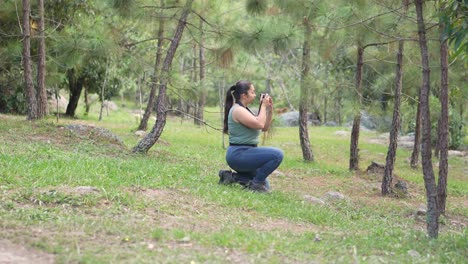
354, 146
307, 154
148, 141
392, 147
41, 65
393, 144
443, 120
305, 12
202, 82
30, 92
426, 149
156, 72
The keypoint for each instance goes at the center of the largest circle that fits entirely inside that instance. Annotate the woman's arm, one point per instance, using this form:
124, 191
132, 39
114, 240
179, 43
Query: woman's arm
243, 116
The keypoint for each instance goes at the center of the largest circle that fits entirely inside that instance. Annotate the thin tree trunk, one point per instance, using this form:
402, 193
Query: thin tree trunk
103, 89
417, 137
426, 151
42, 110
86, 100
354, 146
202, 62
29, 90
156, 78
443, 124
150, 139
283, 90
304, 97
391, 154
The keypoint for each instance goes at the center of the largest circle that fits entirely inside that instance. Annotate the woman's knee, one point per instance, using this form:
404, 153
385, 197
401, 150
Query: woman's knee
278, 153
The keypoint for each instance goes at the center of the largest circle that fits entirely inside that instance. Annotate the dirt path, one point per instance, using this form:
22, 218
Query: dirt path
11, 253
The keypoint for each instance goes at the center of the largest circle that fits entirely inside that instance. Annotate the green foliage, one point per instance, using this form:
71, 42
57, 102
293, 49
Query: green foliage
455, 19
457, 130
256, 6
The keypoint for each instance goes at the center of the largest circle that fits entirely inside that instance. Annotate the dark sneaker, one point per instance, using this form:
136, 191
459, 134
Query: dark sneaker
258, 187
226, 177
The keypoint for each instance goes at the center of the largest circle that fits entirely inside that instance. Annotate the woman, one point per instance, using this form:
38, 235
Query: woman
253, 164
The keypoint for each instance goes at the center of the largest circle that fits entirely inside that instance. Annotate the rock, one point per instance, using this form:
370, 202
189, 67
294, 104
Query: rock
331, 124
414, 254
456, 153
332, 196
422, 210
292, 119
375, 168
92, 132
313, 200
140, 133
401, 186
341, 133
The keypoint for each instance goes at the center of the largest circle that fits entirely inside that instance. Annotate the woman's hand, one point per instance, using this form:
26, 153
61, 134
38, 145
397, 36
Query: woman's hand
267, 100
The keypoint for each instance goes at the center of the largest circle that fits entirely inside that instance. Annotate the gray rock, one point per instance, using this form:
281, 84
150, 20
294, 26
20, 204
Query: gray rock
313, 200
332, 196
422, 210
414, 254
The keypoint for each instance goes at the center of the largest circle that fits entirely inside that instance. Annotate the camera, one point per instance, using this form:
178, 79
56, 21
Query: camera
262, 95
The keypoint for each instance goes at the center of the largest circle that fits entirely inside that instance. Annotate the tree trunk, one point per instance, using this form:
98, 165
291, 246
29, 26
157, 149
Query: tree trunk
76, 86
156, 78
86, 101
42, 110
103, 91
426, 151
437, 147
443, 124
148, 141
29, 90
417, 137
354, 147
202, 62
392, 147
304, 97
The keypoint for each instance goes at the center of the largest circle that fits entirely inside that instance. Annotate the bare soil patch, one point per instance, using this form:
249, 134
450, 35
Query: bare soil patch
17, 254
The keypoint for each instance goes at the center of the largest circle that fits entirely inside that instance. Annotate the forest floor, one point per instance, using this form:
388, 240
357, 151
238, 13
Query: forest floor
71, 197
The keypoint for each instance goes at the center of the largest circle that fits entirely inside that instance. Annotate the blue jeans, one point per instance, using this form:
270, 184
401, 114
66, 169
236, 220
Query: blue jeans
253, 163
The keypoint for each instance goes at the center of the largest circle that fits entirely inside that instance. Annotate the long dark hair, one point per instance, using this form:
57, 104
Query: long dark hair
241, 87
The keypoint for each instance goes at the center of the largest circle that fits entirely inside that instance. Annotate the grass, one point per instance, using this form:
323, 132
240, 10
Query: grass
166, 206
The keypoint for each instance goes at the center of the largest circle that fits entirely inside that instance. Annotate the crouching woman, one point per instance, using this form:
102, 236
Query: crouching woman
252, 164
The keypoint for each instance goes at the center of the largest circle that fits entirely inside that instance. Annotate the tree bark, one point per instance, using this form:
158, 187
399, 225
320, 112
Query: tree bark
443, 123
155, 78
150, 139
304, 97
392, 147
75, 85
42, 110
426, 150
86, 101
354, 146
29, 90
417, 137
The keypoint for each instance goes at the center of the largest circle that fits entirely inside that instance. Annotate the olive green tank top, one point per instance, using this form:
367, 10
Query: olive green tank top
240, 134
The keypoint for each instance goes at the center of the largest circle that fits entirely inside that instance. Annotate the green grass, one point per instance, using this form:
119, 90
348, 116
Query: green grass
166, 206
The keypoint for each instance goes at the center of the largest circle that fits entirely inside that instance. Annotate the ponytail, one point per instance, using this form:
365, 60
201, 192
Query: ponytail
228, 103
233, 95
